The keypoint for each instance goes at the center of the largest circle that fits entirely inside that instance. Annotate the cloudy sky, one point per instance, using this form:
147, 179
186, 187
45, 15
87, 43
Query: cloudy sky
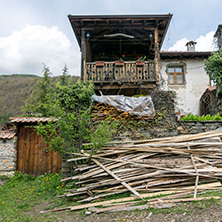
33, 32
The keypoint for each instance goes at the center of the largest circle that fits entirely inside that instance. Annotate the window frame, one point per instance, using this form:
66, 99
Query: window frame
175, 75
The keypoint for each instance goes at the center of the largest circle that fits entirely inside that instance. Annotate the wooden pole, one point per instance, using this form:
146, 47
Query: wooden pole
157, 54
82, 54
197, 177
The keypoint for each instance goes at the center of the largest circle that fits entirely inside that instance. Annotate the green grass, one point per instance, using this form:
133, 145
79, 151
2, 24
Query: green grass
22, 192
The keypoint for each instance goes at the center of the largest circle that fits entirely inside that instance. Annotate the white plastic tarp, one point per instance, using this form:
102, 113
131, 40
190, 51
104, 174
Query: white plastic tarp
142, 106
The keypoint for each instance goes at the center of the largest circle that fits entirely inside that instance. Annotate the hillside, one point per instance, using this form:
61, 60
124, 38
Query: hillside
14, 90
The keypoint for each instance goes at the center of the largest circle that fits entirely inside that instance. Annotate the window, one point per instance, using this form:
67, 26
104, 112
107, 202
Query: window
175, 74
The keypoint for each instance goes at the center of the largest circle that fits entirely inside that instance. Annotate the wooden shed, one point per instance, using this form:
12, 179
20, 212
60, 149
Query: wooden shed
33, 154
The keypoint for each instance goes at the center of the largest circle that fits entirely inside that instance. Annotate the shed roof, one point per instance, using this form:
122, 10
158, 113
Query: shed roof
7, 134
32, 119
136, 25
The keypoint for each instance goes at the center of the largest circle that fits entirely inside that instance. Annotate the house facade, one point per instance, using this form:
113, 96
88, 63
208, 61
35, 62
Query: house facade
121, 55
183, 72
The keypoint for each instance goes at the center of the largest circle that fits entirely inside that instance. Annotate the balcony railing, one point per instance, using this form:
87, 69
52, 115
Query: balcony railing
113, 72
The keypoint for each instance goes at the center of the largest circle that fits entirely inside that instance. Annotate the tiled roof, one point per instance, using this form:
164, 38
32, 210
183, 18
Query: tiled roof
32, 119
211, 88
188, 54
7, 134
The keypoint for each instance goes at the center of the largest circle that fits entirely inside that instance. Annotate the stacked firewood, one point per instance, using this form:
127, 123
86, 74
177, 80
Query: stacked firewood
103, 111
169, 169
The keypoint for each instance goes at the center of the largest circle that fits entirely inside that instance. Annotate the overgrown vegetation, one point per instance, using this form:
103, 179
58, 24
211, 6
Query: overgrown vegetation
69, 102
213, 67
191, 117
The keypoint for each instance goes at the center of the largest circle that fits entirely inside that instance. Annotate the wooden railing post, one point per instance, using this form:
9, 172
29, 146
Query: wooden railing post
125, 73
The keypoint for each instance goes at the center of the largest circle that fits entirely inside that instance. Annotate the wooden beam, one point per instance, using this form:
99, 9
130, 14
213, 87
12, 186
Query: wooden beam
197, 177
82, 54
157, 54
116, 177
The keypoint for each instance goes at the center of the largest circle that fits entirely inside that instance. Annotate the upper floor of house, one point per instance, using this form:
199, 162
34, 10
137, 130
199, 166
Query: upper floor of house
120, 51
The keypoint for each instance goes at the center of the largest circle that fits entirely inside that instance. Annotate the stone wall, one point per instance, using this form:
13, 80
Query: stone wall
162, 125
8, 156
192, 127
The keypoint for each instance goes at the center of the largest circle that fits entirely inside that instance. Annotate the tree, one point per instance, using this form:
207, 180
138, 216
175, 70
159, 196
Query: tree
71, 106
213, 67
39, 99
64, 77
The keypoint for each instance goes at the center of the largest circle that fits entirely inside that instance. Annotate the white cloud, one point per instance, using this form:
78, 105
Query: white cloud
26, 50
204, 43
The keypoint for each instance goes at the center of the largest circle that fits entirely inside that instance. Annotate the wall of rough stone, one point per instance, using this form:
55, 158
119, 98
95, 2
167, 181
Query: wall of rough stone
162, 125
192, 127
8, 156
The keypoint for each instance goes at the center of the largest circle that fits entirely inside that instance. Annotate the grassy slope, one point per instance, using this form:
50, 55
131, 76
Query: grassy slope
14, 90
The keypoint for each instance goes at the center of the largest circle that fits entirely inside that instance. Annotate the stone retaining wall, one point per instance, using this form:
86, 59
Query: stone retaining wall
192, 127
8, 156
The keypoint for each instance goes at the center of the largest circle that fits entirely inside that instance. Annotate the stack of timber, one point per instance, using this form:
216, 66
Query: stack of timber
103, 111
158, 171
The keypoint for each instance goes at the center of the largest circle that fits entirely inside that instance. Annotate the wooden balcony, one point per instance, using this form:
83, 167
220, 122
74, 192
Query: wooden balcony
127, 72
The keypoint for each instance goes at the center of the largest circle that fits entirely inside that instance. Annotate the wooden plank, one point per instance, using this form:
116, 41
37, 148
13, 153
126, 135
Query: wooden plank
54, 162
182, 138
40, 155
32, 152
129, 208
29, 150
189, 172
49, 161
79, 207
117, 178
197, 177
36, 154
59, 162
184, 200
204, 186
26, 150
44, 157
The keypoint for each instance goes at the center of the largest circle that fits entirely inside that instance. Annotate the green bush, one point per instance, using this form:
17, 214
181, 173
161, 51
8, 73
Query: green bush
208, 117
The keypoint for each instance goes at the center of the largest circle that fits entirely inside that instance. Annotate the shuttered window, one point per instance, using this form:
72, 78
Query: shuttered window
175, 74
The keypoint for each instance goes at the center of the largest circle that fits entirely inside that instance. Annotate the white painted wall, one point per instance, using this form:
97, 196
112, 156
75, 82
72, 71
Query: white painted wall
196, 82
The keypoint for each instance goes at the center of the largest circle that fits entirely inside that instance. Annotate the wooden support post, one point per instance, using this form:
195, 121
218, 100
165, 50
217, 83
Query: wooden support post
157, 55
83, 55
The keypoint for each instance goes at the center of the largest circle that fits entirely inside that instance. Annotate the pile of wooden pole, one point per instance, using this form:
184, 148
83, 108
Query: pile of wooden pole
173, 167
103, 111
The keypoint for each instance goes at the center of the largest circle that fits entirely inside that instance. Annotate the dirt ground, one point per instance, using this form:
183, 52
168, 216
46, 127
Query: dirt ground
186, 212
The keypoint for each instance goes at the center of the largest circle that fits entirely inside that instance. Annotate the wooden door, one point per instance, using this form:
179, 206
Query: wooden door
33, 157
